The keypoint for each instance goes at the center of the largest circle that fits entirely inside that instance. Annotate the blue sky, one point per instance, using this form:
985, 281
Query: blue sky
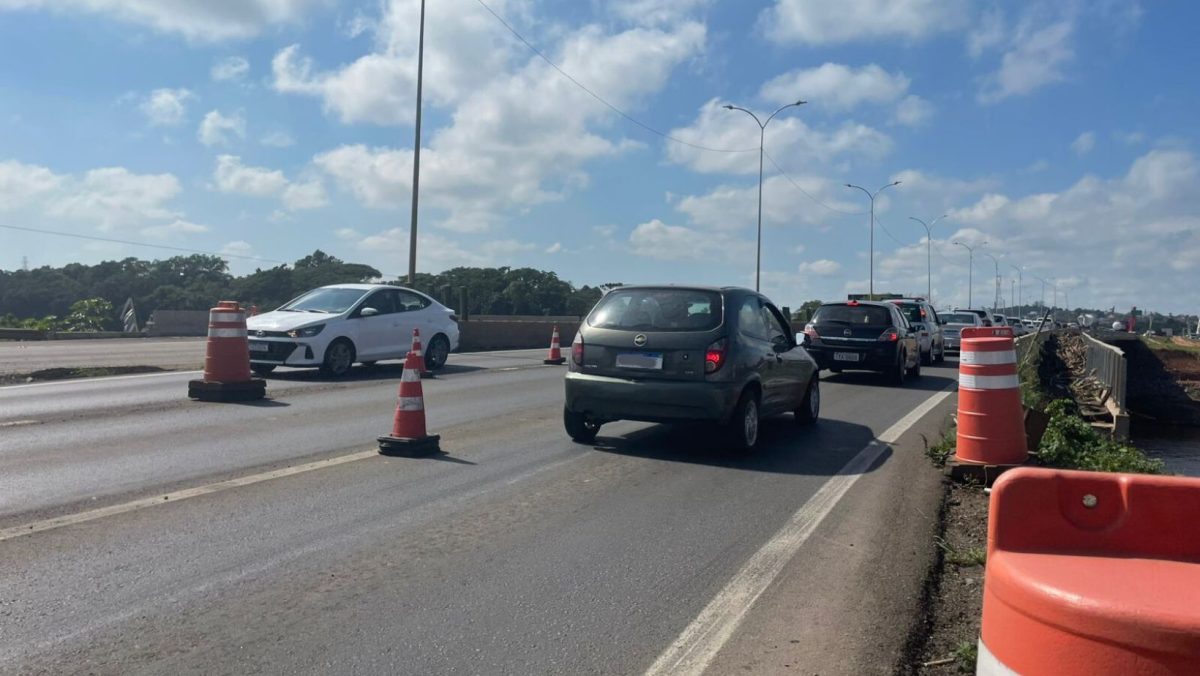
1061, 133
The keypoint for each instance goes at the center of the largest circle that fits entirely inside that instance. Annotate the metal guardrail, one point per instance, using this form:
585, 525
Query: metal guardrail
1107, 362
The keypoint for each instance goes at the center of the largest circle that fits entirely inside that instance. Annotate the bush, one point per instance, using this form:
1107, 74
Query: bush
1071, 443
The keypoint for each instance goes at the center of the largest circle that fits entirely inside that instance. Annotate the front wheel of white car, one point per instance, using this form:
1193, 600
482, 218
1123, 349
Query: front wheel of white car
339, 357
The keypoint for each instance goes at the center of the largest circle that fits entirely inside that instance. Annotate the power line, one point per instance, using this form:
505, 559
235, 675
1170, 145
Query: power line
166, 247
805, 192
601, 99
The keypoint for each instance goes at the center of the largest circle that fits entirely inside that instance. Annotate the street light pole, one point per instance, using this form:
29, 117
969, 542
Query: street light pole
996, 297
412, 230
1020, 290
871, 287
762, 133
928, 254
970, 272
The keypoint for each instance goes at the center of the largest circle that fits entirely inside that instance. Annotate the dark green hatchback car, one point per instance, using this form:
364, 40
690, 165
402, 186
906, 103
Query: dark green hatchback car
682, 353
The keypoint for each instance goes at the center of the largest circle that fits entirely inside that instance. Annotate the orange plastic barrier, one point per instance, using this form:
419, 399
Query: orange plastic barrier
227, 359
409, 436
1091, 574
555, 356
991, 428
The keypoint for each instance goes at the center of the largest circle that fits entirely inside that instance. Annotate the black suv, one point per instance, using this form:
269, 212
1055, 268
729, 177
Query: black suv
864, 335
681, 354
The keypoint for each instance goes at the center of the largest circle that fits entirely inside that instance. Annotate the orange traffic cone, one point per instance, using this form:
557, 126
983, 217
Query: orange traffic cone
227, 359
555, 356
416, 349
408, 435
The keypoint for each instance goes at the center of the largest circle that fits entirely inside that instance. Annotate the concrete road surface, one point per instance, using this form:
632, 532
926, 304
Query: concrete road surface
27, 356
144, 533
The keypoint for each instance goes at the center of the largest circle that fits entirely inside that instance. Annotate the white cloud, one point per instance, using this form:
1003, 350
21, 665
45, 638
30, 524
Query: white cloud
1035, 57
522, 137
988, 35
278, 139
230, 68
1083, 144
820, 268
554, 248
166, 107
307, 195
114, 197
212, 20
231, 176
788, 139
656, 12
437, 252
913, 111
728, 207
825, 23
836, 87
24, 184
217, 129
238, 247
175, 227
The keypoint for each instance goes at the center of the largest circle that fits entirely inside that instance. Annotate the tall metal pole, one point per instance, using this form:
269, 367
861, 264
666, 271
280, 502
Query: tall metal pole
871, 196
762, 133
1020, 291
996, 296
412, 230
970, 272
928, 254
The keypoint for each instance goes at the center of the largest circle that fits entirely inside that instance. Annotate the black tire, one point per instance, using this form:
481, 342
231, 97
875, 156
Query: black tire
742, 428
579, 428
810, 408
262, 369
339, 357
899, 371
437, 353
915, 371
927, 357
941, 355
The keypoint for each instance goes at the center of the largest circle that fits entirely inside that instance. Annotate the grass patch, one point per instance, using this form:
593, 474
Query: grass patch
1071, 443
1156, 343
966, 654
940, 452
973, 556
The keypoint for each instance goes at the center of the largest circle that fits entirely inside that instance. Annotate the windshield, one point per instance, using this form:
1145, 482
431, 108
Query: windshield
959, 317
658, 310
328, 301
866, 315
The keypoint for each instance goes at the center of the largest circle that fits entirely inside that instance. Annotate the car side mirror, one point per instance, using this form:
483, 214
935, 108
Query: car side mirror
368, 312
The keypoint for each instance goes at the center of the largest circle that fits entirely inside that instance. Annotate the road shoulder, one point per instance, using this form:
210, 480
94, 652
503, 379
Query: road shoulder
845, 602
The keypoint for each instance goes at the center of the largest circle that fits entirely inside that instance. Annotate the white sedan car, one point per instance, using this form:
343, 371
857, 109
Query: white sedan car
335, 326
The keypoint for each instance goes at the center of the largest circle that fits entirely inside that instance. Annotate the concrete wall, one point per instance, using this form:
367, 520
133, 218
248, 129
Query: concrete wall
514, 333
178, 323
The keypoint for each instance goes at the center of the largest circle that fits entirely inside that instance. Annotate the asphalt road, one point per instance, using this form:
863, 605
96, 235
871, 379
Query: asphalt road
269, 538
27, 356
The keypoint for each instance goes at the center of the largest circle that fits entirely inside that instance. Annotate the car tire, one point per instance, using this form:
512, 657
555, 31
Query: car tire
742, 428
915, 371
941, 355
437, 353
927, 357
262, 369
810, 408
339, 357
898, 371
579, 428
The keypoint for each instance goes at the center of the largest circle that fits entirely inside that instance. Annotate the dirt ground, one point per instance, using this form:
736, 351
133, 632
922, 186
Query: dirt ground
955, 588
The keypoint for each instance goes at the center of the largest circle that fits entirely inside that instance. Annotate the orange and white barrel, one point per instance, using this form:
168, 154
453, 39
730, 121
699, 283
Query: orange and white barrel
227, 353
991, 428
1091, 573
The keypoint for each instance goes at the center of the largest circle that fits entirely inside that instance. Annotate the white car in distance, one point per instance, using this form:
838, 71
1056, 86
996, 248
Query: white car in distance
334, 327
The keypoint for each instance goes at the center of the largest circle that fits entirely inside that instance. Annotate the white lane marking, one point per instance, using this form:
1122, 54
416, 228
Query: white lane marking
168, 498
18, 423
700, 642
102, 379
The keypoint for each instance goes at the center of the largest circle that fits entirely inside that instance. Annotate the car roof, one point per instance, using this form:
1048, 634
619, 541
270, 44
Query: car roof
876, 303
683, 287
366, 287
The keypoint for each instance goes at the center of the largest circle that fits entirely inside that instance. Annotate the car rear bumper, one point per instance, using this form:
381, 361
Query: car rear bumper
609, 398
874, 358
952, 344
